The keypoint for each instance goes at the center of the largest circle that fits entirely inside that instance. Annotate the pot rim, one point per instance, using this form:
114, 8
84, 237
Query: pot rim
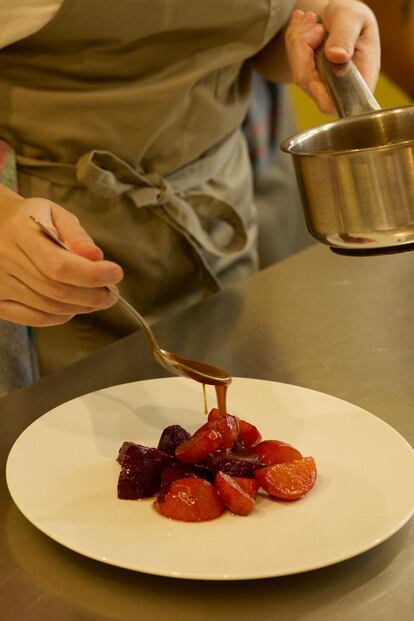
290, 144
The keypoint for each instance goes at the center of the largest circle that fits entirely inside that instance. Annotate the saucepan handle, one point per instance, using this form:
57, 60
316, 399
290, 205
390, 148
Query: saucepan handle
348, 88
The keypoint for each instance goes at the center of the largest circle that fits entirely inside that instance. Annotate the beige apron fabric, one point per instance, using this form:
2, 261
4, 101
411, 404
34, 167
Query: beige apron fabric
127, 114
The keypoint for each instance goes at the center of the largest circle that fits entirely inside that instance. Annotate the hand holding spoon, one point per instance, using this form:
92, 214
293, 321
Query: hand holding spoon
174, 363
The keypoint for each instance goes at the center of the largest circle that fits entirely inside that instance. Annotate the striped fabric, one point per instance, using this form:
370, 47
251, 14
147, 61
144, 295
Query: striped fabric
7, 166
17, 356
261, 124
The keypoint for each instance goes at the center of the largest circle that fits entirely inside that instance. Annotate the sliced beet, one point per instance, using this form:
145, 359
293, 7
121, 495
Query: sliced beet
234, 465
171, 437
124, 450
140, 471
176, 471
190, 500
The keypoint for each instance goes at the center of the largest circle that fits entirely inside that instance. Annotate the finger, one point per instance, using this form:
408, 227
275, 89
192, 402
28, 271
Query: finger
19, 268
22, 314
24, 294
56, 264
344, 31
60, 266
70, 231
367, 58
320, 94
303, 36
354, 35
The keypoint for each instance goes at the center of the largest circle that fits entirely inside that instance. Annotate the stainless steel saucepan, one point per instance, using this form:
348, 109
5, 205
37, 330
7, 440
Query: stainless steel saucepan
356, 175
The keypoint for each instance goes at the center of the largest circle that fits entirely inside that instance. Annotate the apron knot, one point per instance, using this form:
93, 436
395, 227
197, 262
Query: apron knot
184, 199
159, 191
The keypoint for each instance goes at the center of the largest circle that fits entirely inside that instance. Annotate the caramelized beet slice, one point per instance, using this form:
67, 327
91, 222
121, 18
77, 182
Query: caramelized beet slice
234, 465
190, 499
124, 450
272, 452
289, 480
251, 486
249, 435
169, 474
171, 437
236, 499
180, 471
140, 471
196, 449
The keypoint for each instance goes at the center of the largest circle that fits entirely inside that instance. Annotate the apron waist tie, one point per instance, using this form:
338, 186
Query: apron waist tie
169, 198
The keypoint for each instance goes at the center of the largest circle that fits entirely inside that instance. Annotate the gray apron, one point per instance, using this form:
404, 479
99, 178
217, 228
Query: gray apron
128, 115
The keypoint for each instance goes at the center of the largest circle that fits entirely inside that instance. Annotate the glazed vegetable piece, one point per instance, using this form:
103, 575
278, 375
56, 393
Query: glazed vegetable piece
190, 500
236, 499
271, 452
228, 426
248, 434
290, 480
140, 471
220, 433
179, 470
251, 486
197, 448
232, 464
171, 437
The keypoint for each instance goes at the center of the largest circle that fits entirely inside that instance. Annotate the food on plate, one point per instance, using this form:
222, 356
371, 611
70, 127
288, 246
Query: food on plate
222, 465
234, 464
247, 433
288, 481
235, 498
141, 467
271, 452
190, 500
171, 437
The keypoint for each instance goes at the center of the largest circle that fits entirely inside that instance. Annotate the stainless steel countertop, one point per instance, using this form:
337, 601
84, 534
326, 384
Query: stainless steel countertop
343, 326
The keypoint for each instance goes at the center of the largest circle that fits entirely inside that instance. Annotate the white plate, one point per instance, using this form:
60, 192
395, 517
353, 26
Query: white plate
62, 475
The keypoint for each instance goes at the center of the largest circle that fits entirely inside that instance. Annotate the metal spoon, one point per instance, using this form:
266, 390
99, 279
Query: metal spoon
174, 363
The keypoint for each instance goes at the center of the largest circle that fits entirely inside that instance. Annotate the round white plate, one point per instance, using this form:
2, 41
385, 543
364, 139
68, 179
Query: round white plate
62, 474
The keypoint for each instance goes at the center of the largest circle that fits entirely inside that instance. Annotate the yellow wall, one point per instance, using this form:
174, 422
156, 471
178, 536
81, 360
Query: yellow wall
387, 94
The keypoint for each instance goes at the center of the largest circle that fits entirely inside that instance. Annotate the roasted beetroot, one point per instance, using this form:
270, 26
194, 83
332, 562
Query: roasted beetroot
232, 464
140, 470
123, 451
194, 477
176, 471
171, 437
236, 499
198, 447
190, 500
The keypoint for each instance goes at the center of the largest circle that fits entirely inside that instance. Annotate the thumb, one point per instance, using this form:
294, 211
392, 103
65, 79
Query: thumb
71, 232
343, 35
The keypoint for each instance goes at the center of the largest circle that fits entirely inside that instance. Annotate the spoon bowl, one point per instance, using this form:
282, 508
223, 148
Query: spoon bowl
196, 370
